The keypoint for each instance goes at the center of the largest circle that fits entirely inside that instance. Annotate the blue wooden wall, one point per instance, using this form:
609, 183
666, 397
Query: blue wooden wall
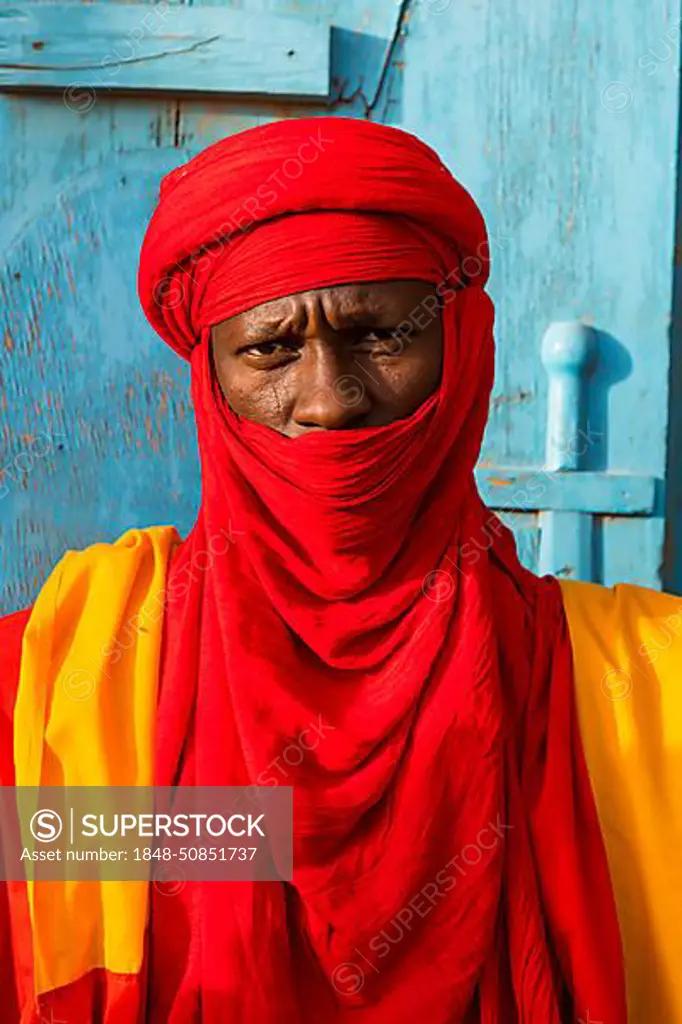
561, 119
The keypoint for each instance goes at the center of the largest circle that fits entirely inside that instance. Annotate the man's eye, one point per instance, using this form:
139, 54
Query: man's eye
382, 341
270, 348
265, 348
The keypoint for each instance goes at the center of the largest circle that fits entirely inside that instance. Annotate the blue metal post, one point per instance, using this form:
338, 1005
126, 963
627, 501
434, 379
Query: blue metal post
569, 355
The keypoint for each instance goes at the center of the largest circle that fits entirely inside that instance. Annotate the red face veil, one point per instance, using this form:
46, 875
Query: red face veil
350, 588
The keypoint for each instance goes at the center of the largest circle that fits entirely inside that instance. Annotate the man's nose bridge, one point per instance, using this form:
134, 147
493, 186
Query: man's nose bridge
328, 371
325, 364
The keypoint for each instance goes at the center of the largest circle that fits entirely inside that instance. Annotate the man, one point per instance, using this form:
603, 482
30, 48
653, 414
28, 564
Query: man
449, 859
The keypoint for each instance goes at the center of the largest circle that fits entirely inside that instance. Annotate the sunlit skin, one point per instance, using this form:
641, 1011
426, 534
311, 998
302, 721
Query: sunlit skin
349, 356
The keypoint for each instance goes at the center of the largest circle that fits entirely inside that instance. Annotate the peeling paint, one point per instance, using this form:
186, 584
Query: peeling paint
517, 397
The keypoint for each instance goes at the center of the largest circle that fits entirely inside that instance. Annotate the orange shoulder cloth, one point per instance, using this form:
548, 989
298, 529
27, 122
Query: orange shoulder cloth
85, 716
627, 652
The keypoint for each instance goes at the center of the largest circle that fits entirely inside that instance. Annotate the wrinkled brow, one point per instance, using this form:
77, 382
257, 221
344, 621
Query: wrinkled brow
344, 316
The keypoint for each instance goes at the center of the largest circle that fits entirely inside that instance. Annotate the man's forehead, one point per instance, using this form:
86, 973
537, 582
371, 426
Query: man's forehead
345, 298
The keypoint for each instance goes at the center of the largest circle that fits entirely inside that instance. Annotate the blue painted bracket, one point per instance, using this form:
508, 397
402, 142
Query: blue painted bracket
540, 490
162, 47
566, 496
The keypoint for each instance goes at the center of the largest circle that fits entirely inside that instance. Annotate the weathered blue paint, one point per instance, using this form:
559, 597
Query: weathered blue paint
162, 47
541, 490
576, 178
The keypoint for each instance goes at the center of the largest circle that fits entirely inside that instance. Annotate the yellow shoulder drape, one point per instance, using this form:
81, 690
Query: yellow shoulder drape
84, 716
627, 652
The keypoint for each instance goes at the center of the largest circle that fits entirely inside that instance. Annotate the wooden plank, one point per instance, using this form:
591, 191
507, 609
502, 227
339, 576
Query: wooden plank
616, 494
162, 48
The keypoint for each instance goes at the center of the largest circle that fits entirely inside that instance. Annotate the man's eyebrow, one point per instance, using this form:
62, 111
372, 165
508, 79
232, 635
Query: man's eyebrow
265, 324
274, 323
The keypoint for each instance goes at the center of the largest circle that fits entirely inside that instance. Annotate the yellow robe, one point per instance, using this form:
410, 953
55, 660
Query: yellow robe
627, 651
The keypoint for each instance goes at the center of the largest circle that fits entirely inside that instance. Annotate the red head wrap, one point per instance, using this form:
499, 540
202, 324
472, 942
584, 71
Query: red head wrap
223, 237
346, 618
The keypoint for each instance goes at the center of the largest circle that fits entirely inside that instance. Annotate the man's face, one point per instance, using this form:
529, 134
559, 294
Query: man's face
355, 355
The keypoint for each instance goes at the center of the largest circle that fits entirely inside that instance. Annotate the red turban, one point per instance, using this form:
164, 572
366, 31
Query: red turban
223, 240
348, 619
